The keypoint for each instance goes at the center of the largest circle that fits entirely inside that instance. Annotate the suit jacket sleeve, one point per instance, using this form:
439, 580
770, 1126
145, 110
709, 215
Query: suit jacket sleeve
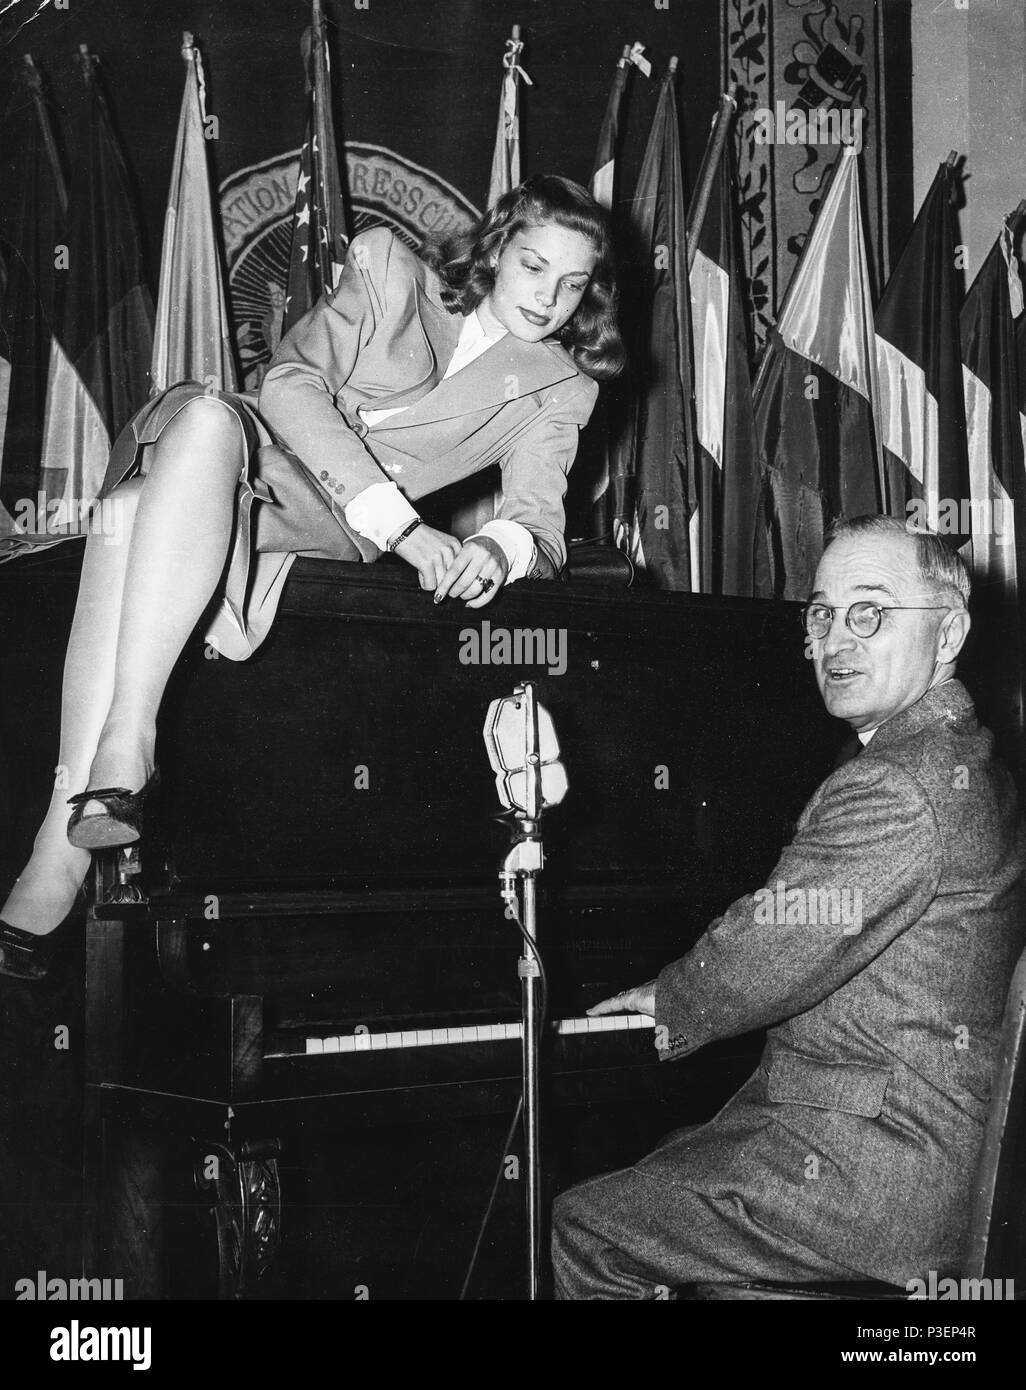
316, 358
873, 830
534, 471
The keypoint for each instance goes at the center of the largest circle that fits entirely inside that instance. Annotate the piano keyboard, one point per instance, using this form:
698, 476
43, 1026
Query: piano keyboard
366, 1041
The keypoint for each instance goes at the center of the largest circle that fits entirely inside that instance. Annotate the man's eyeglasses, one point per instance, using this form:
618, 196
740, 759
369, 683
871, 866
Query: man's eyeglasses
862, 618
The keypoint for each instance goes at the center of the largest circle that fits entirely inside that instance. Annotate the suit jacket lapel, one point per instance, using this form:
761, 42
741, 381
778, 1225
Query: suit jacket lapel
506, 371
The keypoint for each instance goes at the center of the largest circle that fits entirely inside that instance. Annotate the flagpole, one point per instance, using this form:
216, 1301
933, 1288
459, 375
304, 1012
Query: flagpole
710, 163
766, 354
35, 86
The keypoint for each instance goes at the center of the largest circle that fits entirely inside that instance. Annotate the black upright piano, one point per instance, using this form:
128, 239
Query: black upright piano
322, 980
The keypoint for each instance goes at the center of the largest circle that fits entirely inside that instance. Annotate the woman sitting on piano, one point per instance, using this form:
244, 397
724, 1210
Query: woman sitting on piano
413, 375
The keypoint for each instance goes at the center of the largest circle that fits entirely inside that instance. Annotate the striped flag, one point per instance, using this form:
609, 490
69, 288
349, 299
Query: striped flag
32, 227
603, 179
919, 365
993, 413
727, 474
100, 356
319, 236
192, 338
652, 502
814, 395
993, 423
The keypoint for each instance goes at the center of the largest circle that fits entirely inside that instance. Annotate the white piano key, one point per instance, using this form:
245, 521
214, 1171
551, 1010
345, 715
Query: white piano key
647, 1020
606, 1024
425, 1037
347, 1043
332, 1044
439, 1035
377, 1041
472, 1031
361, 1042
315, 1046
393, 1039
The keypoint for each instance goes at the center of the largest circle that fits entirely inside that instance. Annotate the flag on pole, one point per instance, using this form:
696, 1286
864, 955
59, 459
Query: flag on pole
652, 486
815, 394
1020, 341
192, 338
727, 473
100, 356
992, 413
319, 236
482, 498
32, 227
607, 422
506, 155
994, 430
603, 179
919, 365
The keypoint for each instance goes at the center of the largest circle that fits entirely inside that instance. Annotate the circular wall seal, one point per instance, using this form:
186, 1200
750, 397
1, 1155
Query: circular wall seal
256, 214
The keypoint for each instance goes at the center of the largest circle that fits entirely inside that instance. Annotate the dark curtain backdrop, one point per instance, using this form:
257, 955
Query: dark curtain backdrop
416, 85
420, 77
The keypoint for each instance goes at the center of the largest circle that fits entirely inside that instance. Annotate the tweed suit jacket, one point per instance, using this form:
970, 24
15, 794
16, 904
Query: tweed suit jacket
859, 1133
384, 340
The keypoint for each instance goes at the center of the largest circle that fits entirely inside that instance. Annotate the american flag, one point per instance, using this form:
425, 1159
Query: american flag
319, 236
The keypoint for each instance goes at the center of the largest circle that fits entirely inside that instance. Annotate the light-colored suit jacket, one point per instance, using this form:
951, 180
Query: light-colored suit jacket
859, 1133
383, 340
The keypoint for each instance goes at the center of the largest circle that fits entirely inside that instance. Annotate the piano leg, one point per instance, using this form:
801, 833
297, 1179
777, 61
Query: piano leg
245, 1188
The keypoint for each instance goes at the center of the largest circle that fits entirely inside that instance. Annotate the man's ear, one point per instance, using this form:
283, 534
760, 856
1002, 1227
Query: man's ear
953, 632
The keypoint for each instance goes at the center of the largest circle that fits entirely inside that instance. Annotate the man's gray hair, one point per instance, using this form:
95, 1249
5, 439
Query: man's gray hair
942, 569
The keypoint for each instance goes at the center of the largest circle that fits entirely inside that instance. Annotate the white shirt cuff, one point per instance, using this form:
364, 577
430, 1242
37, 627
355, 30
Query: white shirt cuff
516, 543
378, 512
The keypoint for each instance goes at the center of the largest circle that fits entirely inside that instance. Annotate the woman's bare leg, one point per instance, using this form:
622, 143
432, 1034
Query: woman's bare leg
139, 600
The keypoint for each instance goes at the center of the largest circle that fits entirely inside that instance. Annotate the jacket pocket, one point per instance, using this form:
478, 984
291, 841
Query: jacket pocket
850, 1087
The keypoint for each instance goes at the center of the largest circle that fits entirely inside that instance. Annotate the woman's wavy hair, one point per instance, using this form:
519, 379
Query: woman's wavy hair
463, 263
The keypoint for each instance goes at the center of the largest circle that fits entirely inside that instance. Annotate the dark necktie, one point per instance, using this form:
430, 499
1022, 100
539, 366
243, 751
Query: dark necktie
850, 748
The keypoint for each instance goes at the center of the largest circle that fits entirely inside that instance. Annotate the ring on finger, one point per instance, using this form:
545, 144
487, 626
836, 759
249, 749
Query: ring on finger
486, 585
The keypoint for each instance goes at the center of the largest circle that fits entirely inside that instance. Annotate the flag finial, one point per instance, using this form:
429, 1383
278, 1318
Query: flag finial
87, 61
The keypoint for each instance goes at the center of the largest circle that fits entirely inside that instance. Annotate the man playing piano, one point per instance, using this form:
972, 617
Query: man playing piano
850, 1152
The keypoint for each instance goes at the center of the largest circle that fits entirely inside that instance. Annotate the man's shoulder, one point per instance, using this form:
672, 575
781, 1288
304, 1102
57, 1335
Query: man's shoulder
943, 770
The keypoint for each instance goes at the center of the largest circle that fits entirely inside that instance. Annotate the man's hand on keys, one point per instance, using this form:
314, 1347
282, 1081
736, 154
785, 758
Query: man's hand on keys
640, 1000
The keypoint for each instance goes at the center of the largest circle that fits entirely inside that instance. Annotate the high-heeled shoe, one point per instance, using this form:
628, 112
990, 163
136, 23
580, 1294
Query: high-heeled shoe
120, 823
26, 956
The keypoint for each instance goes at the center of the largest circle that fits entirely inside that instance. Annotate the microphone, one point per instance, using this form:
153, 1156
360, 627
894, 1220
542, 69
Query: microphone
524, 753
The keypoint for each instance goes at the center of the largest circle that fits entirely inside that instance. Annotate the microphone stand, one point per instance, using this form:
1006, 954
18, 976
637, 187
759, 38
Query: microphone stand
523, 863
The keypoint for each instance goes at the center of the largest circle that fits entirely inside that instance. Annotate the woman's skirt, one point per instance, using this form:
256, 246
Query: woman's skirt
280, 513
